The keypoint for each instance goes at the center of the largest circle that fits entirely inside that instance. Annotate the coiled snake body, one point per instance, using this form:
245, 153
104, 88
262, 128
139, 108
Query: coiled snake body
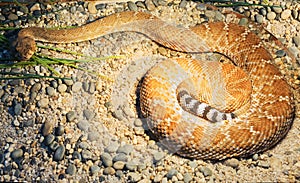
198, 109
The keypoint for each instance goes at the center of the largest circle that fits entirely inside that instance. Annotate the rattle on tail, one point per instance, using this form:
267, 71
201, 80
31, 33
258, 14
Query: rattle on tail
198, 109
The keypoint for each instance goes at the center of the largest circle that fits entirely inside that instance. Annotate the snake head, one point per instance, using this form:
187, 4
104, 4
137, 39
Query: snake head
25, 47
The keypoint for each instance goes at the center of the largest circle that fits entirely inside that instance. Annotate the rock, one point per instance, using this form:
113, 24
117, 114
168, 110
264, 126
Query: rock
92, 87
62, 88
12, 16
53, 146
259, 18
150, 5
43, 103
172, 172
277, 9
71, 170
92, 8
18, 109
286, 14
93, 136
206, 171
132, 6
59, 131
86, 154
158, 156
68, 82
70, 116
50, 91
112, 147
132, 165
263, 164
106, 159
16, 122
134, 177
126, 149
233, 162
94, 169
88, 114
120, 157
280, 53
17, 153
187, 178
59, 153
109, 171
76, 155
47, 128
271, 15
77, 86
83, 125
49, 139
119, 165
36, 87
296, 40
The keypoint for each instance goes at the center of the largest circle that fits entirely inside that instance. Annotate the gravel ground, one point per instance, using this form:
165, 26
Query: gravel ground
89, 129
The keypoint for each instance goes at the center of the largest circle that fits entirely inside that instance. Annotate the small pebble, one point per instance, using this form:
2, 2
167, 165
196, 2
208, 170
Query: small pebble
71, 170
77, 86
76, 155
54, 145
259, 18
296, 40
12, 16
47, 128
277, 9
68, 82
206, 171
271, 15
92, 88
280, 53
16, 122
106, 159
62, 88
126, 149
109, 171
158, 156
43, 103
59, 130
36, 87
172, 172
187, 177
49, 139
59, 153
120, 157
131, 165
233, 162
83, 125
71, 116
132, 6
17, 153
113, 147
134, 177
86, 154
286, 14
119, 165
50, 91
88, 114
95, 169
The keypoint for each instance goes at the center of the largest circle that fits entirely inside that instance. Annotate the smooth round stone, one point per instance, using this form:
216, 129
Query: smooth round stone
187, 177
286, 14
206, 171
271, 15
109, 171
120, 157
62, 88
49, 139
263, 11
54, 84
259, 18
76, 155
126, 149
88, 114
86, 154
71, 170
70, 116
36, 87
17, 153
68, 82
263, 164
277, 9
131, 165
172, 172
132, 6
233, 162
16, 122
50, 91
83, 145
92, 87
29, 122
106, 159
138, 122
243, 21
12, 16
119, 165
95, 169
85, 86
47, 128
76, 86
43, 103
83, 125
93, 136
295, 14
59, 153
158, 156
60, 130
296, 40
150, 5
280, 53
112, 147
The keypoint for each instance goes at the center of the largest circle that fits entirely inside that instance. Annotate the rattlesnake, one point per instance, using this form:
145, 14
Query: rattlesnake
206, 110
